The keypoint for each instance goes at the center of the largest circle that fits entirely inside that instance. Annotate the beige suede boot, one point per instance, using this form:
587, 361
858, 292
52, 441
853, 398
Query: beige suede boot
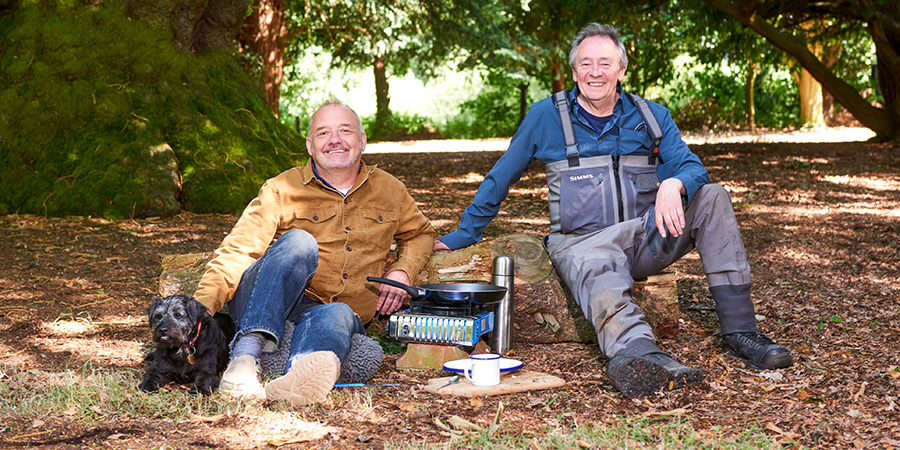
241, 378
309, 380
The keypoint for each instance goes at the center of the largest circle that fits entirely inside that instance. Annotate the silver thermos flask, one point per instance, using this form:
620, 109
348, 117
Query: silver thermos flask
503, 274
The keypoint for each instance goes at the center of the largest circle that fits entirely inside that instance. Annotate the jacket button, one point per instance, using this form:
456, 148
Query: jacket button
315, 217
349, 249
347, 228
346, 276
346, 201
380, 218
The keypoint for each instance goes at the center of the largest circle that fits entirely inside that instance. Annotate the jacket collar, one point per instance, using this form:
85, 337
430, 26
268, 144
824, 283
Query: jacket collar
308, 176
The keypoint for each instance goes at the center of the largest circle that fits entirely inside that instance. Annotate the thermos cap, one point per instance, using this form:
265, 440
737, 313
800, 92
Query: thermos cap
503, 265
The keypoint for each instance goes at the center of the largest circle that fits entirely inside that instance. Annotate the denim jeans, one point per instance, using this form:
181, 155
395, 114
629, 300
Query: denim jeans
271, 292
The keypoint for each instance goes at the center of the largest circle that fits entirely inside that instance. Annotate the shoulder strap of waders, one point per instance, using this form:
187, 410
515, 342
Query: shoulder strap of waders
653, 128
561, 99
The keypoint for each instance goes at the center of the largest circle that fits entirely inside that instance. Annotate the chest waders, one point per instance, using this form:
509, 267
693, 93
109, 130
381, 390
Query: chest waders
587, 196
590, 194
603, 235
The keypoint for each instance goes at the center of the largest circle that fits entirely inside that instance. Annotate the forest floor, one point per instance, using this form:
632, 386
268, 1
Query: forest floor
820, 221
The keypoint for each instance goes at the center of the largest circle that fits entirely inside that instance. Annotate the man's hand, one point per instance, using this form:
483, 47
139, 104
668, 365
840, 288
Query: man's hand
391, 298
669, 211
438, 245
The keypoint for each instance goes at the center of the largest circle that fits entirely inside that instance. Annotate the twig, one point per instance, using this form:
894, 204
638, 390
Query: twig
862, 389
587, 361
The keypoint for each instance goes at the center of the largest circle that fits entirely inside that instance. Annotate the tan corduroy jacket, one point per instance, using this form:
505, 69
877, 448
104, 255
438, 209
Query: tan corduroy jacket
354, 234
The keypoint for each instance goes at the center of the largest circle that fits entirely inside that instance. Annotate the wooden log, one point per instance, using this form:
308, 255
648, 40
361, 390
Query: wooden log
543, 308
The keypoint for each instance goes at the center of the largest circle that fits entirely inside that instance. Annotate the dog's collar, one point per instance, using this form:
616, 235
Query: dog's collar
189, 347
191, 344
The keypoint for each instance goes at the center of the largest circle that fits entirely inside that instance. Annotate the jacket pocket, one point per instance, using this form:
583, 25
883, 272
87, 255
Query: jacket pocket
313, 216
379, 225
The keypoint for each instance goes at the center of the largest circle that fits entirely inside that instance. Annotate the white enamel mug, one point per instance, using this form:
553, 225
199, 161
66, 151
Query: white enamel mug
483, 369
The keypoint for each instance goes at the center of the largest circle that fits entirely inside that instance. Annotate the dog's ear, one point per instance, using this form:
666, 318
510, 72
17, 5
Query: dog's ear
195, 308
152, 307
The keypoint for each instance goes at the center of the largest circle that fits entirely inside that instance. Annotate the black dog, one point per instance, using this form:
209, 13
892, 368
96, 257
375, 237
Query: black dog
191, 347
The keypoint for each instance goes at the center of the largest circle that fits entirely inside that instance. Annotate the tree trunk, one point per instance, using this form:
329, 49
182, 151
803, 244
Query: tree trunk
749, 96
885, 122
262, 33
382, 96
558, 73
811, 104
198, 25
523, 102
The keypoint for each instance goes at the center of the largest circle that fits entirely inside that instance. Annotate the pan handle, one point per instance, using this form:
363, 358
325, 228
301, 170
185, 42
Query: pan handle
413, 292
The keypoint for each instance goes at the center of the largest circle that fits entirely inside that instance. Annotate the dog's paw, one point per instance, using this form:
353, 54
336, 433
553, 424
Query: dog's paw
204, 388
148, 386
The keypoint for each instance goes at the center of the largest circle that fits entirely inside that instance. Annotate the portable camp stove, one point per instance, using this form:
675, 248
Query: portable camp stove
461, 324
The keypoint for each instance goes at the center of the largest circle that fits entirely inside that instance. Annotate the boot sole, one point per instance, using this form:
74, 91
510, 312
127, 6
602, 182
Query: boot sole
309, 381
639, 377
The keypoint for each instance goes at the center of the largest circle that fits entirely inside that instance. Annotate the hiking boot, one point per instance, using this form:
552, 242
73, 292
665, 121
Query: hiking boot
308, 381
241, 378
757, 350
637, 376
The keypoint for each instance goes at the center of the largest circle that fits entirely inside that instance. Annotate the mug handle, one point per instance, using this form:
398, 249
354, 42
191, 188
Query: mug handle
468, 370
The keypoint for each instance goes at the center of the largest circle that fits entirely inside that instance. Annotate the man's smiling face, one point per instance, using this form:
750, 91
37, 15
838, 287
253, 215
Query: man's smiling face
336, 140
597, 69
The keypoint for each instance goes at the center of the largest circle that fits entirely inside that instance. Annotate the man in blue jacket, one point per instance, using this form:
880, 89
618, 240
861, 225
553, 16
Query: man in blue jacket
625, 204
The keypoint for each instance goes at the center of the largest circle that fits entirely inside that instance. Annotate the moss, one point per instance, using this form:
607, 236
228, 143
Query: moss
103, 116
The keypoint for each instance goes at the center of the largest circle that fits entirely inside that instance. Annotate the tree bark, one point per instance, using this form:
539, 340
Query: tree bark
749, 96
559, 77
382, 95
197, 25
812, 113
262, 33
523, 102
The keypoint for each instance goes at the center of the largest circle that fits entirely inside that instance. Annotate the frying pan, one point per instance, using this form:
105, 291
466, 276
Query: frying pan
450, 293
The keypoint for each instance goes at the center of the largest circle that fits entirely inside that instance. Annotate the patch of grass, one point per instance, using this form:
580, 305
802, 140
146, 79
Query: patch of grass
628, 432
800, 164
91, 394
390, 346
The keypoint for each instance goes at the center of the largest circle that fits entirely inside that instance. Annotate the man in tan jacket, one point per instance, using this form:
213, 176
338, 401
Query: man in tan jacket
301, 252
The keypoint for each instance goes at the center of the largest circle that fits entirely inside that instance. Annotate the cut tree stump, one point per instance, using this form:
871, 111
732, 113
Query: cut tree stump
544, 309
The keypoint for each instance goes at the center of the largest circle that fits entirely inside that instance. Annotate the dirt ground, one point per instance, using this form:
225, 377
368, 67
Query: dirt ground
820, 222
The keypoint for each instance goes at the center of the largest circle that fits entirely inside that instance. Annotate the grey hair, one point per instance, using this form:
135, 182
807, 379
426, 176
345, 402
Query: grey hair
335, 102
595, 29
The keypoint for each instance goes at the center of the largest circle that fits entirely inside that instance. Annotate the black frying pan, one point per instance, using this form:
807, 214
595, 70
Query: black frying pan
450, 293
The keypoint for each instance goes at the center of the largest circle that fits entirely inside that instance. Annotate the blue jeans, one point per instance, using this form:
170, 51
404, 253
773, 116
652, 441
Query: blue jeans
271, 292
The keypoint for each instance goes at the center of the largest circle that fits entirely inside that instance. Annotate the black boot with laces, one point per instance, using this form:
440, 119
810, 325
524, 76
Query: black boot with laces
757, 350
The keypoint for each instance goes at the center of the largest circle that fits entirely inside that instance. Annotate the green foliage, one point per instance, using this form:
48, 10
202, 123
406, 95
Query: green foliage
711, 97
96, 106
399, 126
493, 113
